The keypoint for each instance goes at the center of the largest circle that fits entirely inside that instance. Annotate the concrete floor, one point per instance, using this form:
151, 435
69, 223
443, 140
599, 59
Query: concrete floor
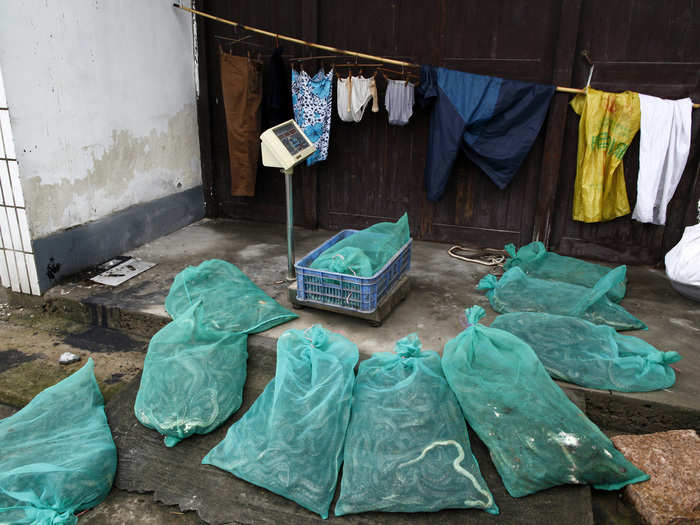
442, 287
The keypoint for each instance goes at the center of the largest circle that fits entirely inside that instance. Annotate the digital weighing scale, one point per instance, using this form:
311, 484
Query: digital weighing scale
284, 146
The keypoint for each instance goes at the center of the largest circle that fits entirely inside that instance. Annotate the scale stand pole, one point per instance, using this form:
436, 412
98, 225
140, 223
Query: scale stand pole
291, 274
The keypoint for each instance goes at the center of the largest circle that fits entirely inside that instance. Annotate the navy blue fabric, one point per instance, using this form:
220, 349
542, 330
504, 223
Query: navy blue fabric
495, 121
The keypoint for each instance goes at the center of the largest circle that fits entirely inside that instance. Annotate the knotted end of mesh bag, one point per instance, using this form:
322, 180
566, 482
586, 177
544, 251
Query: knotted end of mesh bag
409, 346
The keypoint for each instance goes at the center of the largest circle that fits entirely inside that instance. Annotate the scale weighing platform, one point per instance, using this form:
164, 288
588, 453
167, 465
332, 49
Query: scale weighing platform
391, 300
284, 146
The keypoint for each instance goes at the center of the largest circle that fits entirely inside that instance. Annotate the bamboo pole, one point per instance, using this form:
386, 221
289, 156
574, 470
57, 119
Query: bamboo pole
297, 40
561, 89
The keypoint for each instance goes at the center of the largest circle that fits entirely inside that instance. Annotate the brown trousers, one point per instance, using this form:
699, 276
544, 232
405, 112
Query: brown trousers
241, 85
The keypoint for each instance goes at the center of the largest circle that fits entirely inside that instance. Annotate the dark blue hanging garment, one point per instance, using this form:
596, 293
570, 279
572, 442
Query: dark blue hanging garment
494, 120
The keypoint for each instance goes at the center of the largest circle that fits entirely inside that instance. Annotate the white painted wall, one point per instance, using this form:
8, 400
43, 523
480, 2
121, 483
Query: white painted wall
17, 263
102, 103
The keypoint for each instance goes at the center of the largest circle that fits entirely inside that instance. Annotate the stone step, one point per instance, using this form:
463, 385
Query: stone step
177, 477
139, 318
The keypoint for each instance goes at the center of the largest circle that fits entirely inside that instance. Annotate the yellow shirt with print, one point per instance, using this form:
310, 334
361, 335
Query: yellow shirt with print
609, 122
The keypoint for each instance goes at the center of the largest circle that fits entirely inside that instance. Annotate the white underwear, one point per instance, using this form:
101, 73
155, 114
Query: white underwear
353, 95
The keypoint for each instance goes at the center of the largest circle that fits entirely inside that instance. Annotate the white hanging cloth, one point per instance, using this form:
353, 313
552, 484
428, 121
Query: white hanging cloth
664, 143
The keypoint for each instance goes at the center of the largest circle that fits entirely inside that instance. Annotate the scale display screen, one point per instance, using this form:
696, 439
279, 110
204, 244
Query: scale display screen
285, 145
291, 139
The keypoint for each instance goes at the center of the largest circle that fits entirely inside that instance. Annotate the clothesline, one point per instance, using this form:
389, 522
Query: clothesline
562, 89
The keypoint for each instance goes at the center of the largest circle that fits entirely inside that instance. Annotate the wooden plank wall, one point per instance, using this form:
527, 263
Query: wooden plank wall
375, 171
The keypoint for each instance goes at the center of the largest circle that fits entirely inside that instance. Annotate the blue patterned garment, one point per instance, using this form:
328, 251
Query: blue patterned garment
312, 99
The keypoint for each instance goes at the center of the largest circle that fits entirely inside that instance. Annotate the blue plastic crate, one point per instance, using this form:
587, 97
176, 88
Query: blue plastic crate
360, 294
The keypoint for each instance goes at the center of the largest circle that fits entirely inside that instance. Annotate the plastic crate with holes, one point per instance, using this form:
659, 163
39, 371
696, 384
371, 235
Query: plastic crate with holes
359, 294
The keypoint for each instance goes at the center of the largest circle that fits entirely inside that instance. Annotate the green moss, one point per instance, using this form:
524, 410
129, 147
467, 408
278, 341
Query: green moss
21, 383
111, 390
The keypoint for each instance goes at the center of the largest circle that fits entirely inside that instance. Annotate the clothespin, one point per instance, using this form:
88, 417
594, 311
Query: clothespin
590, 71
590, 75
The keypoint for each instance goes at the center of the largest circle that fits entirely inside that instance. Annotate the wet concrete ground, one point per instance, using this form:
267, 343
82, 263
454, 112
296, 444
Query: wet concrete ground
442, 287
113, 326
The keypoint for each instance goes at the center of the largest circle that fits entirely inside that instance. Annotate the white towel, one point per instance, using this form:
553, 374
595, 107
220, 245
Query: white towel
664, 143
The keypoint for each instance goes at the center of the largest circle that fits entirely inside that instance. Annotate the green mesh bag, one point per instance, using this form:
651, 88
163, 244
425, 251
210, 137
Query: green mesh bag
291, 440
590, 355
195, 368
193, 377
57, 456
516, 292
536, 436
536, 261
365, 252
407, 447
230, 300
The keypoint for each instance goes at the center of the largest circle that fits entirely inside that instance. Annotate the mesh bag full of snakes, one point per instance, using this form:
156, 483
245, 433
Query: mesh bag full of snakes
590, 355
195, 368
536, 436
516, 291
365, 252
536, 261
407, 447
291, 439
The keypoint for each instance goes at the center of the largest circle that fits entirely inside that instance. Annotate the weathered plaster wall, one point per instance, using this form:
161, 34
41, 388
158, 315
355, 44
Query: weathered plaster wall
102, 103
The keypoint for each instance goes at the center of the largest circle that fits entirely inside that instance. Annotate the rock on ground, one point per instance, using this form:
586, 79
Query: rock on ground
672, 459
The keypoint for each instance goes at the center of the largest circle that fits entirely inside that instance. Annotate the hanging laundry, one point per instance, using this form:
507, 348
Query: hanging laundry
241, 87
343, 95
375, 95
276, 98
363, 89
609, 122
353, 94
399, 100
494, 120
312, 100
664, 144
